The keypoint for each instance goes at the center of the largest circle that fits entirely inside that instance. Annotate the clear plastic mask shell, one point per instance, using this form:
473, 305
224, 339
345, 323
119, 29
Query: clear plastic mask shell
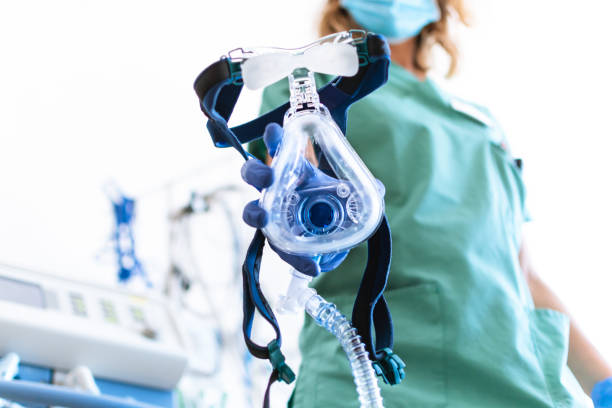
310, 212
339, 212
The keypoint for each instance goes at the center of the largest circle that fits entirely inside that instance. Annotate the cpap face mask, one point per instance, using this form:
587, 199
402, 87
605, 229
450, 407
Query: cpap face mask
314, 212
310, 211
323, 198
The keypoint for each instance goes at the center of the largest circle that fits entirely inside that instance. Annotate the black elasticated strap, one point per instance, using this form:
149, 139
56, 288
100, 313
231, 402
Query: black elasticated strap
253, 298
370, 311
213, 75
272, 380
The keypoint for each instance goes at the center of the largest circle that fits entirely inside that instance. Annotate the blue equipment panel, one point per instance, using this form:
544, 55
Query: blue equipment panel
160, 398
152, 396
34, 373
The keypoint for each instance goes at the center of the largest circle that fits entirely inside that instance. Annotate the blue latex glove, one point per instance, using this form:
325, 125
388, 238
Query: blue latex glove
261, 176
602, 394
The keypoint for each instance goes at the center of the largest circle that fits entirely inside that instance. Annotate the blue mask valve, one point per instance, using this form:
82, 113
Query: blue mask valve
235, 73
321, 215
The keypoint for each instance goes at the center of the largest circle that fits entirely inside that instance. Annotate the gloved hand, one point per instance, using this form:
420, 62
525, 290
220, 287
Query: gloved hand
261, 176
602, 394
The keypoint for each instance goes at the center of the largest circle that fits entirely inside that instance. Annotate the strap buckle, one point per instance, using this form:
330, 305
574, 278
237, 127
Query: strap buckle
390, 367
362, 53
277, 359
360, 41
235, 72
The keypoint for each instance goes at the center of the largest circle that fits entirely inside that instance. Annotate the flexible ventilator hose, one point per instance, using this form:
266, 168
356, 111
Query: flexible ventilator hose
327, 315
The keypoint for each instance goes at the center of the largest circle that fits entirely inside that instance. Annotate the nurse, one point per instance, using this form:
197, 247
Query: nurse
474, 323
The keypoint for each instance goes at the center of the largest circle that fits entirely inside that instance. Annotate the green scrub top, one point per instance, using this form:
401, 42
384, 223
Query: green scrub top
465, 323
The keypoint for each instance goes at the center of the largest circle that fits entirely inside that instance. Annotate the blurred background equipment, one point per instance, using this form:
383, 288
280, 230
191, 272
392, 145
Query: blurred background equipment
124, 209
130, 341
203, 294
173, 344
60, 324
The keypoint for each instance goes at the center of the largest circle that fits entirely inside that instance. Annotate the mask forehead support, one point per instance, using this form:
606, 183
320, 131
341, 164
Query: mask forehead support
349, 37
218, 88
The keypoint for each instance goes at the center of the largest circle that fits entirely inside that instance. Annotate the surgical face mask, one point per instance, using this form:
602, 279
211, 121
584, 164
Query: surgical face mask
395, 19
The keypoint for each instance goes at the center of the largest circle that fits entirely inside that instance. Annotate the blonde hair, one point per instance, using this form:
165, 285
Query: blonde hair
336, 18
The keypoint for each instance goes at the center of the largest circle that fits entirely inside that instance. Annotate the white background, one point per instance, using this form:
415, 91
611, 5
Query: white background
92, 91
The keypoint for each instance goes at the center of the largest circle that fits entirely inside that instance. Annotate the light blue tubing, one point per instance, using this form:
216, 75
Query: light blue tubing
327, 315
300, 295
38, 393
